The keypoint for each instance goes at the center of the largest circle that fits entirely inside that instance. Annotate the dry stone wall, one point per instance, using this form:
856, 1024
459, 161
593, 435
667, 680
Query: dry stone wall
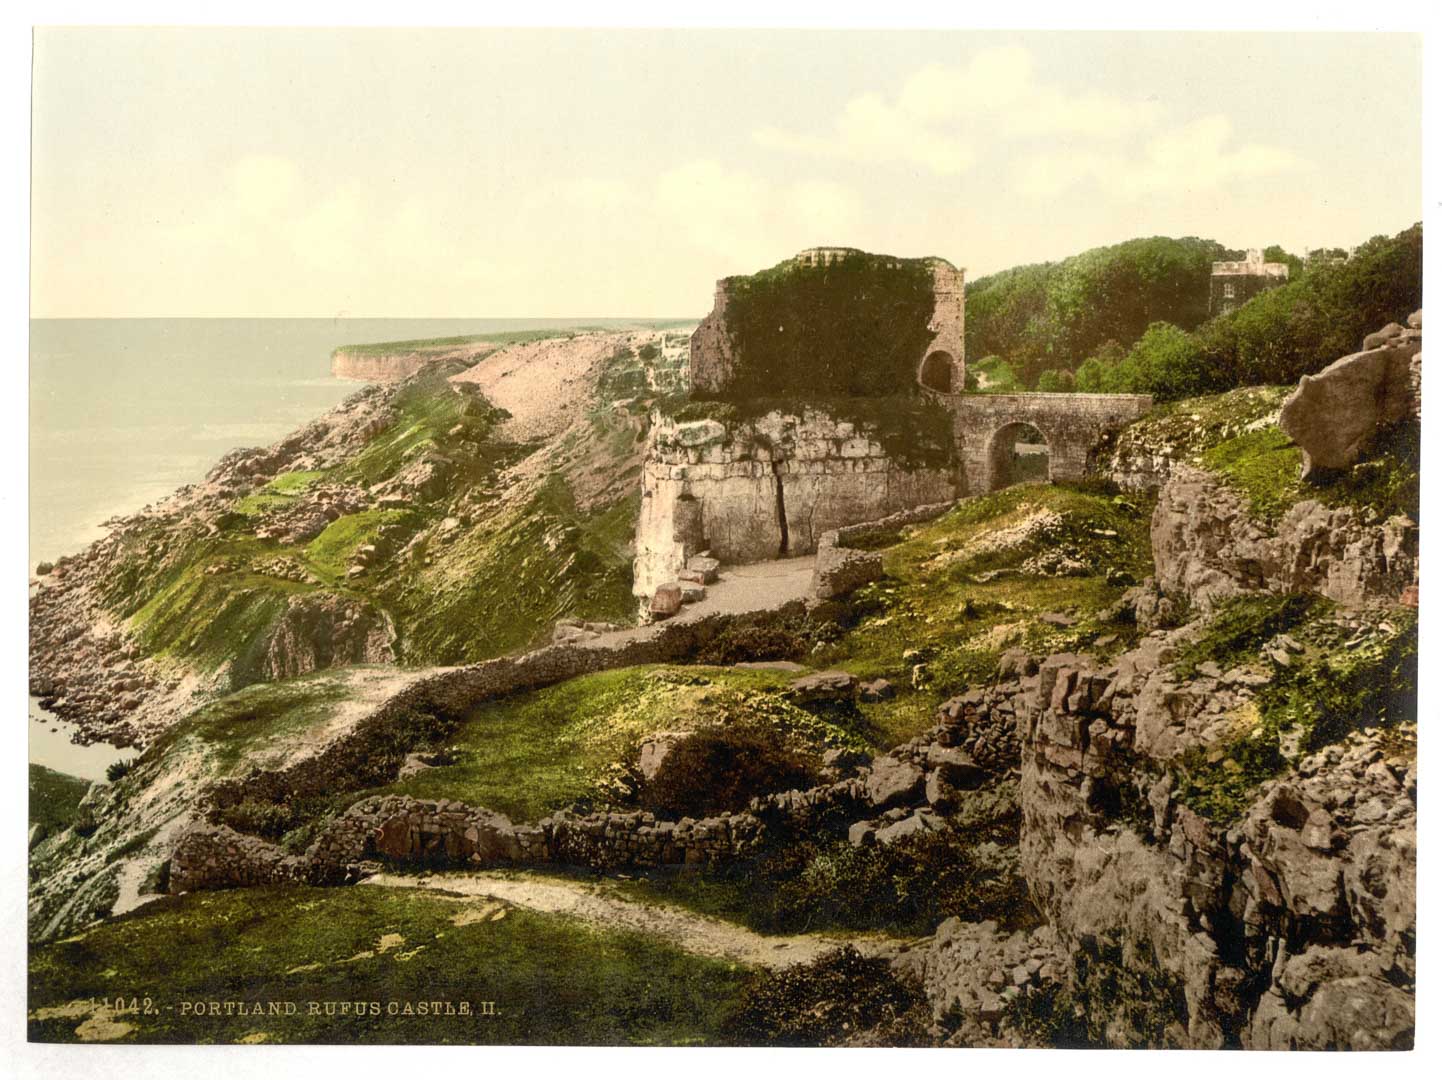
841, 569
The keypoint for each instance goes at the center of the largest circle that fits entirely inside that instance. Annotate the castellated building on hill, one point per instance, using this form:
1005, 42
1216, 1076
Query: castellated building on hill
1234, 283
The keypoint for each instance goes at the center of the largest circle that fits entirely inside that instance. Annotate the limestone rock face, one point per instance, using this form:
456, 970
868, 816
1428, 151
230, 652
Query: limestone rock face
1207, 547
322, 630
1294, 927
1332, 415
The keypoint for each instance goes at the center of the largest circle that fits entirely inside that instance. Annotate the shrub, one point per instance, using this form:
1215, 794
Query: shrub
831, 1000
722, 769
742, 642
1056, 381
1052, 1018
116, 769
907, 886
270, 820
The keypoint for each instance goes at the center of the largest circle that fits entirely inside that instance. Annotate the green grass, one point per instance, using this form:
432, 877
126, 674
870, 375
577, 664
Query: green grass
1330, 690
931, 604
532, 753
329, 554
54, 797
215, 619
427, 410
1265, 465
1242, 624
553, 980
500, 584
279, 493
236, 725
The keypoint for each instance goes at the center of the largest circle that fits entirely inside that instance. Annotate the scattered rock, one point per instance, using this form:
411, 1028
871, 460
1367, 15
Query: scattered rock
666, 602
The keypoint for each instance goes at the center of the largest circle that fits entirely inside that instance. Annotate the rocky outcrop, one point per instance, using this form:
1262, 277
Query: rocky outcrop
86, 663
1207, 546
321, 630
975, 972
1334, 414
1295, 927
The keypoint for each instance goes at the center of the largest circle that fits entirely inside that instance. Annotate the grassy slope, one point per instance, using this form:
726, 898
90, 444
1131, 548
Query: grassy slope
54, 797
494, 585
553, 980
1235, 435
532, 753
933, 606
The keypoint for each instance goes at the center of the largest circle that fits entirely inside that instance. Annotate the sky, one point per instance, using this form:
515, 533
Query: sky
573, 173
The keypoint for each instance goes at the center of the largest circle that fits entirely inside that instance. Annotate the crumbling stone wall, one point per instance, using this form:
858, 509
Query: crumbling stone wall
766, 488
447, 832
841, 569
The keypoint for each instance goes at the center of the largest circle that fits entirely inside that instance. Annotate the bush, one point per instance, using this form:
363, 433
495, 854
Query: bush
908, 886
742, 642
829, 1001
1051, 1018
116, 769
721, 769
1056, 381
270, 820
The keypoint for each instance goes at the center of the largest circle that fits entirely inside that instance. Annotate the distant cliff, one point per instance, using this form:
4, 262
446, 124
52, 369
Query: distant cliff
392, 362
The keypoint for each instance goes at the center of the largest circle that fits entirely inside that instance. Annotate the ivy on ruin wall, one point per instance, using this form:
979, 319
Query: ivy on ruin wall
856, 328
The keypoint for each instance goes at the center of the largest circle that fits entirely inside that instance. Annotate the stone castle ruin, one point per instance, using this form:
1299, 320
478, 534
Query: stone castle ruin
830, 390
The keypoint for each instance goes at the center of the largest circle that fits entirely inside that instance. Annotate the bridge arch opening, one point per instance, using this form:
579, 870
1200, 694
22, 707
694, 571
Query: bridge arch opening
1019, 453
936, 372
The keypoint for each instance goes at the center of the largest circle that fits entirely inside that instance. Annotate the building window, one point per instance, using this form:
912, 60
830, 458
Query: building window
1229, 291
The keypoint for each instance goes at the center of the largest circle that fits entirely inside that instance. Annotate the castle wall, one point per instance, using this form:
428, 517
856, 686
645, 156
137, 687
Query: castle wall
948, 319
730, 489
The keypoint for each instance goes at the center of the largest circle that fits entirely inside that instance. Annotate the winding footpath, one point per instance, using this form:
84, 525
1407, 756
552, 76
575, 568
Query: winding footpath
601, 904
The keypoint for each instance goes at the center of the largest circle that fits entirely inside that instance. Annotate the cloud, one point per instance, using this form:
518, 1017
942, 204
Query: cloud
1194, 157
872, 131
941, 112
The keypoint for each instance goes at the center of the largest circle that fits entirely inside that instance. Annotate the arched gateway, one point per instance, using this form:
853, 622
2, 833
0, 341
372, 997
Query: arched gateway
938, 372
1007, 438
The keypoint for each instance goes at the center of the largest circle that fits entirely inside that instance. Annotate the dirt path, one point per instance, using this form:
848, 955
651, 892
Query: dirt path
601, 903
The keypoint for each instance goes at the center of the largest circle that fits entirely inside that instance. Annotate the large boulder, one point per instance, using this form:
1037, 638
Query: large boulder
1332, 415
893, 782
824, 687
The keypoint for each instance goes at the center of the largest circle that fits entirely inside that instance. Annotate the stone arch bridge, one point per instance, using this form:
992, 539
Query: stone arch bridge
985, 428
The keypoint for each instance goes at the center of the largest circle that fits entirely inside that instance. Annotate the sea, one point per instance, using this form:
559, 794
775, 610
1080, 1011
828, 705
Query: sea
124, 411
